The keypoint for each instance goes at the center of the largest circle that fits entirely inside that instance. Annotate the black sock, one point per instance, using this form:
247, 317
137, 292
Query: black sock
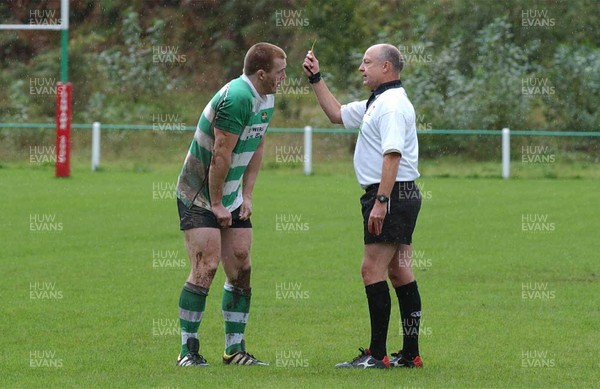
378, 296
409, 300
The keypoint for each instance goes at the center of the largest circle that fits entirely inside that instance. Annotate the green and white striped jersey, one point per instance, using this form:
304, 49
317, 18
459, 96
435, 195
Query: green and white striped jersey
239, 109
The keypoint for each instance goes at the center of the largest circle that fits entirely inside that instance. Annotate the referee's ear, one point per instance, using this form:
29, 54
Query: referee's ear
389, 67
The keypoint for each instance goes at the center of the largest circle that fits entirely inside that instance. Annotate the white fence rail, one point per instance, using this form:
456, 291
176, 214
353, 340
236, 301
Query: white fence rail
308, 132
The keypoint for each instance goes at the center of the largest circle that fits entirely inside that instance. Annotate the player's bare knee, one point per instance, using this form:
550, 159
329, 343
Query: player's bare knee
204, 260
242, 279
401, 276
394, 277
241, 255
204, 268
366, 270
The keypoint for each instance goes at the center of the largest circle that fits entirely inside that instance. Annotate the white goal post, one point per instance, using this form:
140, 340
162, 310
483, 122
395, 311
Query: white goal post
64, 21
63, 88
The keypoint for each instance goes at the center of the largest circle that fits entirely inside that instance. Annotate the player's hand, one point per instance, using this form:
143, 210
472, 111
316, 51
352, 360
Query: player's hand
376, 218
246, 209
223, 216
311, 64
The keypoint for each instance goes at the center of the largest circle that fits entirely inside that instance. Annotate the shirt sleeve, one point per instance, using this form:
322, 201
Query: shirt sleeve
233, 113
392, 125
352, 113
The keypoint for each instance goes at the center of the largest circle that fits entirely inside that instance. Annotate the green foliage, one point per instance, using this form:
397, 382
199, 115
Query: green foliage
575, 76
478, 55
19, 110
491, 98
341, 40
485, 96
131, 72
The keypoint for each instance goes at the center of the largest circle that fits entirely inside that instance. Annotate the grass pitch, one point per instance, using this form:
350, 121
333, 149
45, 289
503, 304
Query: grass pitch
92, 267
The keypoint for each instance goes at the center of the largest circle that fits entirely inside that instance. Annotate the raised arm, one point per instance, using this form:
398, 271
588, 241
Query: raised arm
326, 99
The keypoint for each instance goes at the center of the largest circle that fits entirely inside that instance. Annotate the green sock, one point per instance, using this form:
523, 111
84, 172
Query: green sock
191, 308
236, 305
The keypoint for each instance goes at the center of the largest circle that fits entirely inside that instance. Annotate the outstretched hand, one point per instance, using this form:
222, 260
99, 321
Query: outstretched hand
311, 64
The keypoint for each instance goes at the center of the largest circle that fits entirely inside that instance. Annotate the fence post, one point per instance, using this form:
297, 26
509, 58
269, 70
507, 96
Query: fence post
95, 145
505, 153
307, 150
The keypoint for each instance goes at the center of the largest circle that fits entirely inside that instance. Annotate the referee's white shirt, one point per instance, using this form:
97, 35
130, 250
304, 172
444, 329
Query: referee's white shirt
387, 126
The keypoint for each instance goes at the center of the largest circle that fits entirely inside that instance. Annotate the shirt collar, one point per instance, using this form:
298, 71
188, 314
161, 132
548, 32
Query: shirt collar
254, 92
382, 88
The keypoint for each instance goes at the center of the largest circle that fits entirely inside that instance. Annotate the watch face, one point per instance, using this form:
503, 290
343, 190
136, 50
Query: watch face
382, 198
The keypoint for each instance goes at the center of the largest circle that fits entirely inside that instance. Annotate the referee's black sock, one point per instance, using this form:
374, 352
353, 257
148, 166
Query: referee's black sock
378, 296
410, 312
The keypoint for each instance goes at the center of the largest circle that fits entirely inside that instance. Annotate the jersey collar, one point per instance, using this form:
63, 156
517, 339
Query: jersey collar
382, 88
254, 92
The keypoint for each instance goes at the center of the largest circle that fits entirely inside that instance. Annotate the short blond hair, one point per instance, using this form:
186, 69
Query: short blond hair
261, 56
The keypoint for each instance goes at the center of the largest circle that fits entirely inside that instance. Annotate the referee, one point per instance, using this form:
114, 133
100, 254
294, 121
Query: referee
385, 162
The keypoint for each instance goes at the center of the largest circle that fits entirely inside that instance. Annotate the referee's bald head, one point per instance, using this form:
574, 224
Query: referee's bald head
390, 53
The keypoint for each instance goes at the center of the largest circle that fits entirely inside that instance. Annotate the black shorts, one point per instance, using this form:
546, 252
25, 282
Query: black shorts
400, 221
198, 217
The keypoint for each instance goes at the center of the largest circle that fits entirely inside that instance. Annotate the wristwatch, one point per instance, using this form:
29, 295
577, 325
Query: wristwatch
382, 198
